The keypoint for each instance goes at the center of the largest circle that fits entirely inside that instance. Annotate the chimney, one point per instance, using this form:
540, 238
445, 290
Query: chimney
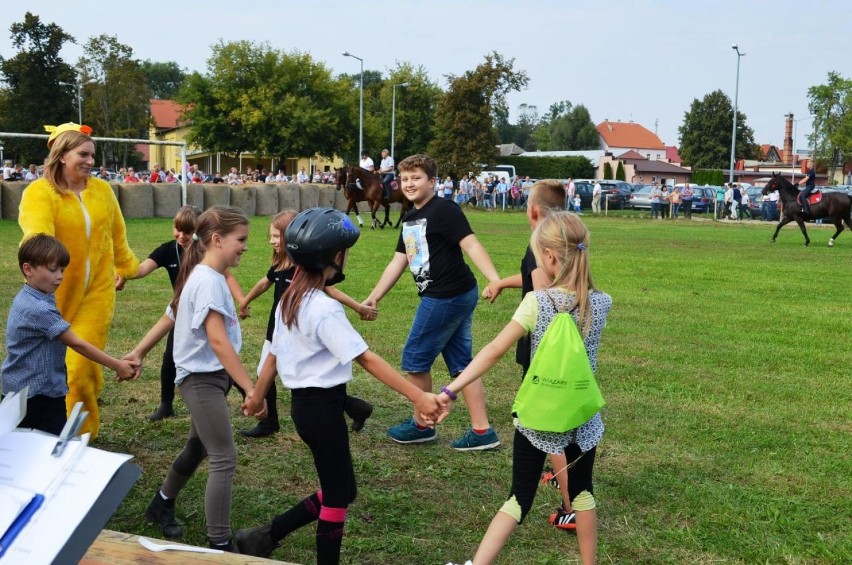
788, 140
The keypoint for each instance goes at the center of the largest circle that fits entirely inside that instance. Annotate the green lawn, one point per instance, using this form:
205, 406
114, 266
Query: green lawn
725, 365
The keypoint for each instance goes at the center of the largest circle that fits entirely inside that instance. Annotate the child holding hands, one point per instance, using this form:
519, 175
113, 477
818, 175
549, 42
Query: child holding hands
206, 354
560, 244
313, 347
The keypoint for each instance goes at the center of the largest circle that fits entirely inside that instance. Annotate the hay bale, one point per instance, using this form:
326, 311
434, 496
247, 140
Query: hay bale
167, 200
308, 196
244, 198
10, 199
194, 195
340, 201
216, 195
327, 195
136, 200
289, 197
266, 196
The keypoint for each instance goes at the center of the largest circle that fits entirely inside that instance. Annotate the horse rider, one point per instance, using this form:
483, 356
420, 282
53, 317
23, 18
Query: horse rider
386, 168
367, 164
810, 184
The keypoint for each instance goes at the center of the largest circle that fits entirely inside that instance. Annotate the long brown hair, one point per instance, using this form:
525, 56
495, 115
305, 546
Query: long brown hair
565, 235
53, 165
220, 220
281, 259
304, 282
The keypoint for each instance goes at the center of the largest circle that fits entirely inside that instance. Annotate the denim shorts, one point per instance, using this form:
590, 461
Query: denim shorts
441, 325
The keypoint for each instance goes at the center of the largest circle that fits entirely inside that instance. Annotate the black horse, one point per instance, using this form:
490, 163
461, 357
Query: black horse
834, 205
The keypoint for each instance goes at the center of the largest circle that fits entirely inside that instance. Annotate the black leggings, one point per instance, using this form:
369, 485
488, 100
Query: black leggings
528, 462
168, 372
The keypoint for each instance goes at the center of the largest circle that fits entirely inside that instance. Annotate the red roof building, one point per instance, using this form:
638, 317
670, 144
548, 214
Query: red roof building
620, 137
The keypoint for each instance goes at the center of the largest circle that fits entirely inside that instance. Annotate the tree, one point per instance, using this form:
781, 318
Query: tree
254, 98
415, 110
32, 96
705, 135
465, 136
566, 128
164, 79
608, 170
619, 171
831, 106
117, 97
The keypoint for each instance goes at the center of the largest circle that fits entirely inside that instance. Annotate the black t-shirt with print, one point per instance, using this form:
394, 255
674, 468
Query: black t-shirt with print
528, 265
430, 239
168, 256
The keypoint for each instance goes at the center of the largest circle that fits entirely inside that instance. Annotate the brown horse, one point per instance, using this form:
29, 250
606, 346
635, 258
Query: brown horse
373, 192
836, 206
340, 182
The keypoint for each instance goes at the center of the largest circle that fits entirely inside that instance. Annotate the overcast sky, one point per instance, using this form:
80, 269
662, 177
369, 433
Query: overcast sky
624, 60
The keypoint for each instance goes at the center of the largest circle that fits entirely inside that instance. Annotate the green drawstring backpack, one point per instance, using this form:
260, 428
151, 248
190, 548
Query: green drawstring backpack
559, 392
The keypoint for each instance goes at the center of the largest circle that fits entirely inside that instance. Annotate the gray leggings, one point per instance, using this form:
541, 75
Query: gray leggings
210, 436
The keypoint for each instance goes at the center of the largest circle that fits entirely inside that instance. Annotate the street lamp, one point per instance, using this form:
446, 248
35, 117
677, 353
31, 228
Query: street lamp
795, 124
393, 113
734, 130
79, 84
361, 112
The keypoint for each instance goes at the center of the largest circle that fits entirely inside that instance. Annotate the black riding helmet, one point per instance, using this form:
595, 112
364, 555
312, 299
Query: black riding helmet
316, 235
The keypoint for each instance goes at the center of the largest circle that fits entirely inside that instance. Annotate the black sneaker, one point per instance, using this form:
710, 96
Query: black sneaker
359, 410
162, 513
259, 431
162, 412
229, 546
256, 541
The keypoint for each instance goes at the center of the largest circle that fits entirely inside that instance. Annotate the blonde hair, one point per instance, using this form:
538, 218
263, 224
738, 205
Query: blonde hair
549, 194
64, 142
281, 259
567, 238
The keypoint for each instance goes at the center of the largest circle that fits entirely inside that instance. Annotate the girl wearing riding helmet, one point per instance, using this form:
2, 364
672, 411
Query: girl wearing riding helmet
312, 350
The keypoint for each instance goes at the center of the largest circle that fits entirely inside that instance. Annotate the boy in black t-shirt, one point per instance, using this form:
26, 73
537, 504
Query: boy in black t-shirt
433, 236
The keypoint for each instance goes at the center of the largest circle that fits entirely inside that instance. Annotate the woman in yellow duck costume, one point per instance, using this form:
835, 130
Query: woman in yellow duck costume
83, 213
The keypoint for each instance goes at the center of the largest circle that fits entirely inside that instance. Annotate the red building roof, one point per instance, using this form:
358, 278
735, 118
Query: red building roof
166, 113
620, 134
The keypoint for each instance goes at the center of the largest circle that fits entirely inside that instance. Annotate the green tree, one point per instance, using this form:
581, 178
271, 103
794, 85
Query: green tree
619, 171
415, 110
117, 97
465, 136
164, 79
705, 135
566, 127
32, 96
831, 106
608, 170
276, 104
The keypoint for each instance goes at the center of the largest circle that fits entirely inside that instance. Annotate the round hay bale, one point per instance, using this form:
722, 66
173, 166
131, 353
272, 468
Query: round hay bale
309, 196
340, 201
216, 195
166, 200
194, 195
327, 196
10, 199
266, 196
289, 197
136, 200
244, 198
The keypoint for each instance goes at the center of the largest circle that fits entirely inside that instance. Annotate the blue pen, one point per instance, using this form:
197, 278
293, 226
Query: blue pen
19, 523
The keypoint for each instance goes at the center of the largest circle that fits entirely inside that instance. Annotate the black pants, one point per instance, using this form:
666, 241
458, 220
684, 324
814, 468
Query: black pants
168, 372
318, 416
386, 182
686, 208
528, 462
45, 413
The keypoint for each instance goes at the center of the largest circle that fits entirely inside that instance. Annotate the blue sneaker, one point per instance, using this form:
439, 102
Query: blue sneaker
472, 441
408, 432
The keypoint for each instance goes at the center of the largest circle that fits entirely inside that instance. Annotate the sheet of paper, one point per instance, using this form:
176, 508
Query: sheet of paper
12, 501
12, 410
71, 499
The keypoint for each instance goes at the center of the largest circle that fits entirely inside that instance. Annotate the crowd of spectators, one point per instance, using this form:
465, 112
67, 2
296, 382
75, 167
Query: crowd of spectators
488, 193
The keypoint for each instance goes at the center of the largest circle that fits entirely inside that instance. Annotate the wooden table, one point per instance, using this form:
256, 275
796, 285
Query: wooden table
117, 548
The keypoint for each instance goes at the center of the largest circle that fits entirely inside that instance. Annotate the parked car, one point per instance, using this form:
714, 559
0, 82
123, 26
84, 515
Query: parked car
617, 193
755, 202
702, 198
641, 199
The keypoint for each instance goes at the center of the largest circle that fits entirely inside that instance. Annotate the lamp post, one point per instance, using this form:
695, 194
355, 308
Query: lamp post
393, 114
79, 84
361, 111
795, 124
734, 129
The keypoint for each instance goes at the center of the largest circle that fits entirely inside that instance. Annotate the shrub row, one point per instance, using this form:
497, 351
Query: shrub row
551, 167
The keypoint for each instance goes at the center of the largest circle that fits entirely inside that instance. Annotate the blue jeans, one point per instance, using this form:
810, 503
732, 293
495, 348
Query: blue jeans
441, 325
655, 209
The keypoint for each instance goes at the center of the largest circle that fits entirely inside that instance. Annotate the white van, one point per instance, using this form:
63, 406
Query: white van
498, 171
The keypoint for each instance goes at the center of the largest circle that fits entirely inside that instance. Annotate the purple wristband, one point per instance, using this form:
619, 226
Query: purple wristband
449, 393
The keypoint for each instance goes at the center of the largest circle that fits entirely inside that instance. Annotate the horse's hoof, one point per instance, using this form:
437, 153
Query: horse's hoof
771, 241
831, 243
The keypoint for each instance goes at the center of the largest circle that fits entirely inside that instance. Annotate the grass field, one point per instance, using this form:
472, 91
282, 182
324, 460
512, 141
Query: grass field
725, 365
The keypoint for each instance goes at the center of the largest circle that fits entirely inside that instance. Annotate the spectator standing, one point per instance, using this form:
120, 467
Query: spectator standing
596, 198
8, 169
570, 190
686, 197
32, 173
131, 176
665, 201
655, 201
736, 197
448, 188
302, 176
675, 199
155, 174
773, 205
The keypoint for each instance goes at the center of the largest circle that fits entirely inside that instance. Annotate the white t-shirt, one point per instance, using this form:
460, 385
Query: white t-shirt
386, 165
206, 290
367, 163
318, 350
